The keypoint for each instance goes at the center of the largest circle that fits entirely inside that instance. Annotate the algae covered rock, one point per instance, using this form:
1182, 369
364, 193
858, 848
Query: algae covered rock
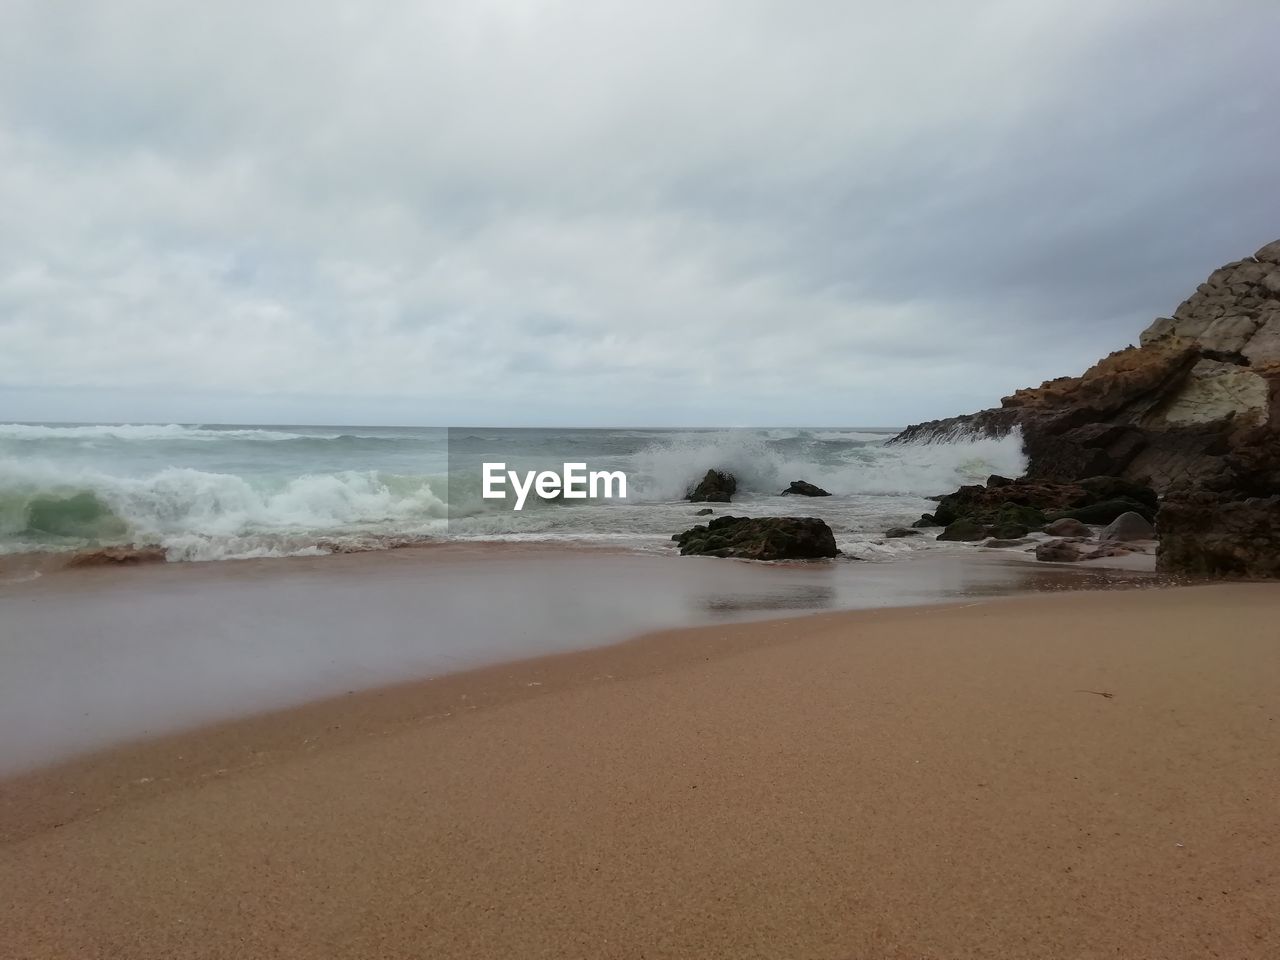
760, 538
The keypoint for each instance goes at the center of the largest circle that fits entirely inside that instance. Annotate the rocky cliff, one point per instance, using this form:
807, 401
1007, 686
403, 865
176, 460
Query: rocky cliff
1193, 410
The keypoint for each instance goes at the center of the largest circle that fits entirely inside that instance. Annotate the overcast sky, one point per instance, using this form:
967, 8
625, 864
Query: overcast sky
719, 212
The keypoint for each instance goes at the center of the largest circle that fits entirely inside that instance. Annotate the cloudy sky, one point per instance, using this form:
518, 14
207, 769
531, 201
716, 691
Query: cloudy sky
721, 212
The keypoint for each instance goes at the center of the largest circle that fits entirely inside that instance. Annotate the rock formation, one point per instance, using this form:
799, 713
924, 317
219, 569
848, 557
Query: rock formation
761, 538
716, 487
1193, 411
803, 488
1165, 411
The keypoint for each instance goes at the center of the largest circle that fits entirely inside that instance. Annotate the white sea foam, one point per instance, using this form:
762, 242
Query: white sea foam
665, 470
213, 500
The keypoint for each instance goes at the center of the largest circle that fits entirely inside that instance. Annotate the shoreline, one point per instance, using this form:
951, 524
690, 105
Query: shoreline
91, 782
1006, 808
104, 655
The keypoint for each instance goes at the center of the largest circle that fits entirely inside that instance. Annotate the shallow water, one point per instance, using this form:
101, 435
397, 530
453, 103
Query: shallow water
97, 656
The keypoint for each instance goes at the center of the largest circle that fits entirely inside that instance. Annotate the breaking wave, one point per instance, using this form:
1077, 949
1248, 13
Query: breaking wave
273, 491
196, 515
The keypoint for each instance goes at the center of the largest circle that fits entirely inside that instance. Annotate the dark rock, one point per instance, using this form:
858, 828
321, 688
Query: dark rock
716, 487
998, 544
1067, 527
1204, 533
1008, 530
964, 530
1104, 512
803, 488
704, 512
928, 520
894, 533
1058, 551
760, 538
1128, 526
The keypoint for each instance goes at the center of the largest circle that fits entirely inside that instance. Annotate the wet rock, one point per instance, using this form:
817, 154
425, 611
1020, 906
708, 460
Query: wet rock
1058, 551
998, 544
716, 487
1067, 527
1008, 530
1207, 533
760, 538
704, 512
1128, 526
802, 488
964, 530
894, 533
1104, 512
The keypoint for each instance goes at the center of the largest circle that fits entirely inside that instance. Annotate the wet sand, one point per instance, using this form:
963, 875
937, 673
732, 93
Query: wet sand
1067, 776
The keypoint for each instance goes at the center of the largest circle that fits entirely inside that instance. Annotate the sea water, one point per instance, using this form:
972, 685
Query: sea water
209, 492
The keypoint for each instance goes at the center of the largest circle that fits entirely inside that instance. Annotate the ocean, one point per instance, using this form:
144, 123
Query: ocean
213, 492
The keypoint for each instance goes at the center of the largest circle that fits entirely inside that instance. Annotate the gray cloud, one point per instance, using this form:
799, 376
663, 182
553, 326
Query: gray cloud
703, 212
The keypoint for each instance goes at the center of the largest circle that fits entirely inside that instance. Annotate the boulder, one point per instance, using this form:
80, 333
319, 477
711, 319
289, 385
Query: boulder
1067, 527
965, 530
1058, 551
802, 488
998, 544
894, 533
1008, 530
716, 487
1128, 526
704, 512
1104, 512
760, 538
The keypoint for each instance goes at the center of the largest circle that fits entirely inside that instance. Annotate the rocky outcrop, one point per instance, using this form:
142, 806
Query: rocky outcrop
716, 487
803, 488
1204, 533
1033, 503
760, 538
1193, 411
1163, 412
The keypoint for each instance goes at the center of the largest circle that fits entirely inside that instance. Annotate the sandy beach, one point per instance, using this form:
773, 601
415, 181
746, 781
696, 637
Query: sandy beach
1060, 776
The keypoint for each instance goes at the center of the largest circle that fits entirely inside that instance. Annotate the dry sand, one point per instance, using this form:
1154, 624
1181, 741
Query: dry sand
1079, 775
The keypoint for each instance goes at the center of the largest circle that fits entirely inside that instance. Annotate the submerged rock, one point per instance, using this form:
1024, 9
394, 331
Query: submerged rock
802, 488
1129, 526
894, 533
716, 487
760, 538
704, 512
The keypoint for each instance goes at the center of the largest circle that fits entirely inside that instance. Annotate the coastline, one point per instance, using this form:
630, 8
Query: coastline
942, 781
